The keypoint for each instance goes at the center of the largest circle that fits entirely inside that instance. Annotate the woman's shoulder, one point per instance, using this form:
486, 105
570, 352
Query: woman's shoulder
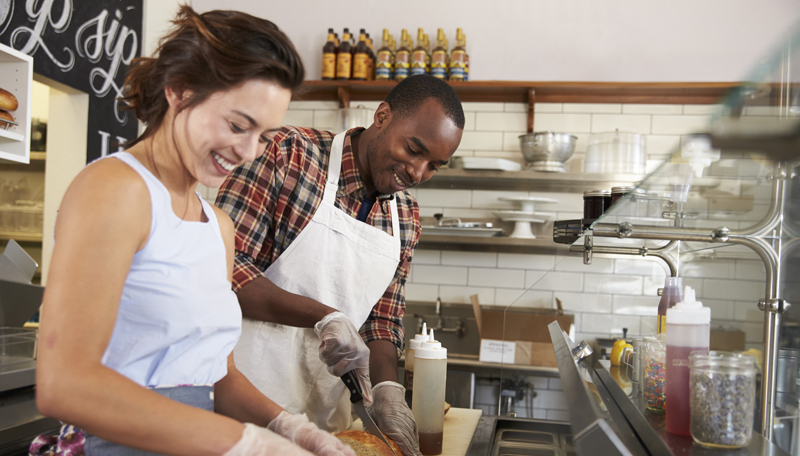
112, 178
110, 196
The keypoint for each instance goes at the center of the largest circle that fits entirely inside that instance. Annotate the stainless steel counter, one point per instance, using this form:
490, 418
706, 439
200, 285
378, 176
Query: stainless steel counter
20, 420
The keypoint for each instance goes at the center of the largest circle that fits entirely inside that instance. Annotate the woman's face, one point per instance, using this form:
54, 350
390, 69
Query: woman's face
229, 128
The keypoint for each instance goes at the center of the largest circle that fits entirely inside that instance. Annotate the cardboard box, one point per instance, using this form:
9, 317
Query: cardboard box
518, 336
727, 339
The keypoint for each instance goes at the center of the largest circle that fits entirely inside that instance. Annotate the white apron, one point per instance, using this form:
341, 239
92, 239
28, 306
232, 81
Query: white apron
341, 262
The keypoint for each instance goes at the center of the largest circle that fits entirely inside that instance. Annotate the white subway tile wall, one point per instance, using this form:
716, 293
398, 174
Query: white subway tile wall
605, 297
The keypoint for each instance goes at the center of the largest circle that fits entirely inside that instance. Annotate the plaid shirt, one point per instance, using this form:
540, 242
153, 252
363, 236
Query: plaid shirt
274, 197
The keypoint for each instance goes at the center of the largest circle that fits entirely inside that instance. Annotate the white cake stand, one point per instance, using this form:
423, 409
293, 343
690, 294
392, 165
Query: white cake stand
527, 202
523, 220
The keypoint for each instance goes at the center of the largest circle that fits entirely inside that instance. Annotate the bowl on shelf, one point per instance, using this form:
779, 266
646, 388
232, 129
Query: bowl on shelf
547, 151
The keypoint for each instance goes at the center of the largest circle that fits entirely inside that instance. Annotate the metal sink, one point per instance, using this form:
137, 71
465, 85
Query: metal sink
504, 436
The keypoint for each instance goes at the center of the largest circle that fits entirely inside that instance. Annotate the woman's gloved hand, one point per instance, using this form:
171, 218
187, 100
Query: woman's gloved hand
342, 350
259, 441
307, 435
393, 417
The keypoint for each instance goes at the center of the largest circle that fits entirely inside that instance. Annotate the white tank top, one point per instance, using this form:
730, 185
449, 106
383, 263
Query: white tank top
178, 318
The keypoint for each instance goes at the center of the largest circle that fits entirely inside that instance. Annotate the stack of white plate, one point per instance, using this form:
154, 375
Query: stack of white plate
524, 217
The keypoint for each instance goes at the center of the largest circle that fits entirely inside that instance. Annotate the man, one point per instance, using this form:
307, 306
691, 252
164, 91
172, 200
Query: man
325, 233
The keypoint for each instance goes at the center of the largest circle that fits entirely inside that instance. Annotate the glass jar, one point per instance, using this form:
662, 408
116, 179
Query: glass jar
636, 201
722, 388
595, 203
655, 349
658, 203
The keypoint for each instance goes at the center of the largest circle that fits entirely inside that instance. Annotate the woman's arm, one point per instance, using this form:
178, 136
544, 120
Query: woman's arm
236, 397
104, 219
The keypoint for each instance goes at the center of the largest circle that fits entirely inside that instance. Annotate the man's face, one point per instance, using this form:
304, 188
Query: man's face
409, 149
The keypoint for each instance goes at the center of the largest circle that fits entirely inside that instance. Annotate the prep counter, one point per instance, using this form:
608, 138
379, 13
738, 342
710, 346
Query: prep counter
607, 416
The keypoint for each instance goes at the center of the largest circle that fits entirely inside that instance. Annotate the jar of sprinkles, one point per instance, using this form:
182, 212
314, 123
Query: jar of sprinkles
655, 355
722, 389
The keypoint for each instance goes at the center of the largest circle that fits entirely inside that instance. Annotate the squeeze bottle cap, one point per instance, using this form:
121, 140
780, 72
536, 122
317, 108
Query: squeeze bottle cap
689, 311
419, 338
431, 349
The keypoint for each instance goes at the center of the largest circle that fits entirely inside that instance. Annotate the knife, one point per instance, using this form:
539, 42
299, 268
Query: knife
357, 399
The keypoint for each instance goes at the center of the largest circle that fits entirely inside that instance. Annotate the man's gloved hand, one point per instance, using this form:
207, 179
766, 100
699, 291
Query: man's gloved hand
259, 441
393, 417
307, 435
342, 350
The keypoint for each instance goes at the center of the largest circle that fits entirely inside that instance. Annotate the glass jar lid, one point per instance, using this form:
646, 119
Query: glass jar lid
722, 361
597, 193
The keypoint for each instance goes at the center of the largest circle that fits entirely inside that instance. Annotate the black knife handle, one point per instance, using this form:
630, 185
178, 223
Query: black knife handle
351, 382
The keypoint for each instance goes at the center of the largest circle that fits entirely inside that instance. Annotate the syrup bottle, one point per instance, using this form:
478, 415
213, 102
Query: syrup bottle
427, 54
430, 377
402, 60
458, 58
419, 57
439, 57
371, 62
344, 60
329, 57
384, 64
688, 330
413, 345
361, 58
672, 294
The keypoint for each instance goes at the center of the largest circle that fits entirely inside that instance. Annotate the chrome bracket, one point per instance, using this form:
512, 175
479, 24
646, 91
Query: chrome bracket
625, 229
587, 249
581, 351
773, 305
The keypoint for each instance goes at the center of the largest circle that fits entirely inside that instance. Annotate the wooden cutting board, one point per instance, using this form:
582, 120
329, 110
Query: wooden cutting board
459, 425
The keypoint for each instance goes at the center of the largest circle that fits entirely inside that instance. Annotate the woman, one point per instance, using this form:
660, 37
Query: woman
139, 320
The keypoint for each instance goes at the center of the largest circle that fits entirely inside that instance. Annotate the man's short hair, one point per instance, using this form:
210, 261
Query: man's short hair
413, 91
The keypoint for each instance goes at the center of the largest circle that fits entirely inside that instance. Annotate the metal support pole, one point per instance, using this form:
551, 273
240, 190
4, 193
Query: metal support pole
765, 239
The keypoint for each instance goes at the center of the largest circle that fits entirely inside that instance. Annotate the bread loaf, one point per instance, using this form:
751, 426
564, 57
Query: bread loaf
8, 101
366, 444
5, 116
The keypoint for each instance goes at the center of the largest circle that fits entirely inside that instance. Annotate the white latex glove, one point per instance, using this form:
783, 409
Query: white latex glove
393, 417
342, 350
259, 441
306, 434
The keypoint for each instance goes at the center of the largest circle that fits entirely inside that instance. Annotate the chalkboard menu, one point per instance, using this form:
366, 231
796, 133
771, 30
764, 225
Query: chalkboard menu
84, 44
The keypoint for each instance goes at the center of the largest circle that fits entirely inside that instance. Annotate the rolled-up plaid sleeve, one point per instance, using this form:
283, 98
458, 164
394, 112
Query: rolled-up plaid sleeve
249, 196
385, 321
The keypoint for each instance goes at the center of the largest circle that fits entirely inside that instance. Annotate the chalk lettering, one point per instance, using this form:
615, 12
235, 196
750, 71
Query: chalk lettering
44, 16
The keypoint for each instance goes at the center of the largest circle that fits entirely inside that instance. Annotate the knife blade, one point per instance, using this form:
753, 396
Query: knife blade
357, 399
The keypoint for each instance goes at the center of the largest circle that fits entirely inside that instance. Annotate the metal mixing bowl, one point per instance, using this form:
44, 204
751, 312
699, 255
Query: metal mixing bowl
547, 151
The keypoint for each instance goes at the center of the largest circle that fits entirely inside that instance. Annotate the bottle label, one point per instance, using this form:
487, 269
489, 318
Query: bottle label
344, 63
457, 73
419, 59
328, 65
417, 70
360, 66
402, 58
400, 73
439, 72
383, 74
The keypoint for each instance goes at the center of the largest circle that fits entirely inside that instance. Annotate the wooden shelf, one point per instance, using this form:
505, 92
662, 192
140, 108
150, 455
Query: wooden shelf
21, 236
526, 180
491, 244
545, 91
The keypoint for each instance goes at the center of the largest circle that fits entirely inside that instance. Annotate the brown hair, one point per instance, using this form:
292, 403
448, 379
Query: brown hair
206, 53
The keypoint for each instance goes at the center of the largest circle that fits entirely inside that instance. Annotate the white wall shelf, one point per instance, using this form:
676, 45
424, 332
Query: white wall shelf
16, 76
